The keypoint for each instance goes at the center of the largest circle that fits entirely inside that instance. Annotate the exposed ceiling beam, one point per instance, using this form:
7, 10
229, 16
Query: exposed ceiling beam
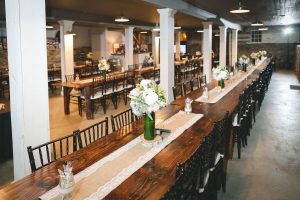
183, 7
194, 11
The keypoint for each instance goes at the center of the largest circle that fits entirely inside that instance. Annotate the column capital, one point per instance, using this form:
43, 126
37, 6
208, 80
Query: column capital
170, 12
66, 24
129, 28
223, 27
234, 30
207, 23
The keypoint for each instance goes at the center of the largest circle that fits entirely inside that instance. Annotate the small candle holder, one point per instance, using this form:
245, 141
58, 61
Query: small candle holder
66, 181
188, 105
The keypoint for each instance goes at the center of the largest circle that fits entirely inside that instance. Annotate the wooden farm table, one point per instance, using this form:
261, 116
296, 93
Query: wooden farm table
153, 179
84, 86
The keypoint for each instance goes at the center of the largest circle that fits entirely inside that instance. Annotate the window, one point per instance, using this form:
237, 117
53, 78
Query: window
255, 36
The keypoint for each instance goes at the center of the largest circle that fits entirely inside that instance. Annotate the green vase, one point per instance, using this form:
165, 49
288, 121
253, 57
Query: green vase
149, 127
221, 83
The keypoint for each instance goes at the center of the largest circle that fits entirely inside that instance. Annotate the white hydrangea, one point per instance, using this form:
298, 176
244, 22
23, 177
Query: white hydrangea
146, 98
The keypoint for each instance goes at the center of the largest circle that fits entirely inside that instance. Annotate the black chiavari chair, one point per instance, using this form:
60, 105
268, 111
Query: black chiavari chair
178, 90
50, 151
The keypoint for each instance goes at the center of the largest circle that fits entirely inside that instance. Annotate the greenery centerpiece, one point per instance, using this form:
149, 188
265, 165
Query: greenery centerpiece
220, 73
244, 61
147, 98
103, 66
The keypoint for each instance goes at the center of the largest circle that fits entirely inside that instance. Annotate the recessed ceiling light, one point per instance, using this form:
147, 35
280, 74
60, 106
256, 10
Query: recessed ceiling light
177, 27
257, 23
239, 9
143, 32
121, 19
200, 31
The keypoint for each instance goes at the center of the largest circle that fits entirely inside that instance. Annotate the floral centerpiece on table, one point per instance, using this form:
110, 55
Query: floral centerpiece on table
147, 98
244, 61
103, 66
220, 73
263, 53
254, 55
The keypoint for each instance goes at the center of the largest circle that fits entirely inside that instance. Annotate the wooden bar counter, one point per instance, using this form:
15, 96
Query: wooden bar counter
153, 179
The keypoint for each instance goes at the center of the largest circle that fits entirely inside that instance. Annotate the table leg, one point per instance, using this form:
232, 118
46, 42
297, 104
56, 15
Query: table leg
87, 94
67, 91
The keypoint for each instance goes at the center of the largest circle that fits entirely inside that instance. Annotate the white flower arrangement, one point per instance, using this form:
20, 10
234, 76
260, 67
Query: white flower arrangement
103, 65
254, 55
220, 73
146, 98
198, 53
244, 60
263, 53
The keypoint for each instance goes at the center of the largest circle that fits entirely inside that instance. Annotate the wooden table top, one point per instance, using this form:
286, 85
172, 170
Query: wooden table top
153, 179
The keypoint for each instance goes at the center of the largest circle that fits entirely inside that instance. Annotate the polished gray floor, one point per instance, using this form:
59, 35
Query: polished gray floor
269, 168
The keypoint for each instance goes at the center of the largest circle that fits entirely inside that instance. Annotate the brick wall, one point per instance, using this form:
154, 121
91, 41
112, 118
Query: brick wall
297, 63
3, 58
284, 52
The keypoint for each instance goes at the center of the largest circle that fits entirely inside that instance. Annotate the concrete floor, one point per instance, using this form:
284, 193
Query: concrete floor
269, 168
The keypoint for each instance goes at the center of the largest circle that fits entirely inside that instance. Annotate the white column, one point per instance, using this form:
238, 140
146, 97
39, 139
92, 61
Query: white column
234, 45
103, 44
157, 46
207, 48
27, 58
154, 47
223, 42
128, 47
167, 51
177, 45
66, 49
230, 48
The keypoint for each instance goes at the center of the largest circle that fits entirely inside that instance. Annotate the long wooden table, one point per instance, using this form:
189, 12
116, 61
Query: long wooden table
153, 179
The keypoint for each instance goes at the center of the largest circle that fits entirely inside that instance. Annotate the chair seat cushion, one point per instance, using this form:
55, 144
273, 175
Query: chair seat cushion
97, 96
218, 158
206, 177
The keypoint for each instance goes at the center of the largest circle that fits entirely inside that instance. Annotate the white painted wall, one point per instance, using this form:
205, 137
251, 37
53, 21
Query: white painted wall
114, 37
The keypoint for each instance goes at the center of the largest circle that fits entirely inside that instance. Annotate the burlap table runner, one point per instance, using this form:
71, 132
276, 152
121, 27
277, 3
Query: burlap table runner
98, 180
215, 94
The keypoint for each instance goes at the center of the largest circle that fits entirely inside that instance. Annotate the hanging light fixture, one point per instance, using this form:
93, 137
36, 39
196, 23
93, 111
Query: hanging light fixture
263, 28
143, 32
257, 23
48, 26
200, 31
217, 35
176, 27
239, 9
121, 19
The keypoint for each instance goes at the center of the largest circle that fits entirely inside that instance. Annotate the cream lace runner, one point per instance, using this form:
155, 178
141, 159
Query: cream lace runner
216, 94
99, 179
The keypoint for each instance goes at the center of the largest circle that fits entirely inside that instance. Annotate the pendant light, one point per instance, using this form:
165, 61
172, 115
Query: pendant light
239, 9
176, 27
121, 19
257, 23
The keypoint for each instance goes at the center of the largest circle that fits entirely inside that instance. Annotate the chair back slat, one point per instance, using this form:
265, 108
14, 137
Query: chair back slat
48, 154
92, 133
122, 119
